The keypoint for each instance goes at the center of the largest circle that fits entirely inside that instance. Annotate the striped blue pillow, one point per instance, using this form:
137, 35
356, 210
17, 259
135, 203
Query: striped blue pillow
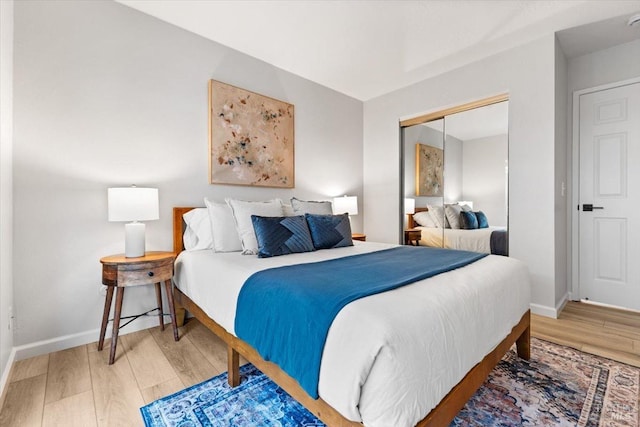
330, 231
281, 235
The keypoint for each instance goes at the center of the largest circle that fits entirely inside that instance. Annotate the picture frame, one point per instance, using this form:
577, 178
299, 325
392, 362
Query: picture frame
429, 171
251, 138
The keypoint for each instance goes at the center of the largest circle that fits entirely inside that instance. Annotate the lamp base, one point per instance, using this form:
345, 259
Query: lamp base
134, 239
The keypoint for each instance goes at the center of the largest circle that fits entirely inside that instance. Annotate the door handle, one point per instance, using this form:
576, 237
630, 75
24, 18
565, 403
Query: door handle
588, 207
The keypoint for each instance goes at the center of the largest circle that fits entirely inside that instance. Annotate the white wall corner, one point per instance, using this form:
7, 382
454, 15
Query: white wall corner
546, 311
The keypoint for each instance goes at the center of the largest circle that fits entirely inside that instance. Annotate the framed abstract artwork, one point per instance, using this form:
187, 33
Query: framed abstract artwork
251, 138
429, 168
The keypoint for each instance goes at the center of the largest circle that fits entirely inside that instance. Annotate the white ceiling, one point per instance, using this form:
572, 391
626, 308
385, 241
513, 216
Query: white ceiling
368, 48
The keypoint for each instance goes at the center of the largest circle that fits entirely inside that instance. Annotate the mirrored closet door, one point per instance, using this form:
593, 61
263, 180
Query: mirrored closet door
455, 178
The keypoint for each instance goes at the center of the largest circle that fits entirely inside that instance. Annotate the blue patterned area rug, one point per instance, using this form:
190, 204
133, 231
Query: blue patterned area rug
559, 386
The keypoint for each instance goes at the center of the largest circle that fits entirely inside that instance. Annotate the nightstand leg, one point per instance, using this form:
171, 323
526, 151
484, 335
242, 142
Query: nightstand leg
172, 309
159, 302
116, 324
105, 316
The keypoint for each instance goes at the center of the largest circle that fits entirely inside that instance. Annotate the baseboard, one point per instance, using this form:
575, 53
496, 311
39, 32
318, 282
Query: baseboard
68, 341
6, 374
563, 301
543, 310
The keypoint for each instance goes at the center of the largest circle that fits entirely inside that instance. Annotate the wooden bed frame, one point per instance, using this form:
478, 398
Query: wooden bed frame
441, 415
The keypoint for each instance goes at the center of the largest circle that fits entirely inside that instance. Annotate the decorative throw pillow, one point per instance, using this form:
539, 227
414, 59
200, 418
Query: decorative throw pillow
424, 219
223, 226
453, 215
281, 235
466, 208
329, 231
242, 211
437, 215
301, 207
482, 219
197, 234
468, 220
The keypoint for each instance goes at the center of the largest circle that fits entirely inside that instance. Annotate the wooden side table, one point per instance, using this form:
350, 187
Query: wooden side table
412, 236
358, 236
119, 272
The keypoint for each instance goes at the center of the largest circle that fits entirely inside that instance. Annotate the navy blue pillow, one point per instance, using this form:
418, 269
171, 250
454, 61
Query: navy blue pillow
281, 235
329, 231
468, 220
482, 219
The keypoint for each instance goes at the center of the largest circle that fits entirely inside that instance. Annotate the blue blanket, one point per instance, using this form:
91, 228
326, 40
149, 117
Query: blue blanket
285, 313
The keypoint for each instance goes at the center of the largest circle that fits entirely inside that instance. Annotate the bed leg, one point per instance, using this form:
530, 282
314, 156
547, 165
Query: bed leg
233, 366
523, 344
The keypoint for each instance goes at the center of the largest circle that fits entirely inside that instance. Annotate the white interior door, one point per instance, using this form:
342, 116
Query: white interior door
609, 138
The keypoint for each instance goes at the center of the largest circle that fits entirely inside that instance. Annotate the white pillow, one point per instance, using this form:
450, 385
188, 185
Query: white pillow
301, 207
453, 215
287, 210
466, 208
437, 215
424, 219
242, 211
197, 235
223, 226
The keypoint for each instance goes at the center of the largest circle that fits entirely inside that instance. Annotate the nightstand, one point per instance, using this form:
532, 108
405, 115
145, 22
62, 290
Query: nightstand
412, 236
358, 236
119, 273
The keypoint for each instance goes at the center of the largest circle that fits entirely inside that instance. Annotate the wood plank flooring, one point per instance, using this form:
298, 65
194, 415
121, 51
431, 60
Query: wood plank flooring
76, 387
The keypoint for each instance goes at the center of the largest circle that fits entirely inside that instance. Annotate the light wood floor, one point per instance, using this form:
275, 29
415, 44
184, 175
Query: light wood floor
76, 387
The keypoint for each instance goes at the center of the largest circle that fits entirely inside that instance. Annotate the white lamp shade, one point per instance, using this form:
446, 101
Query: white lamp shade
409, 206
133, 204
346, 204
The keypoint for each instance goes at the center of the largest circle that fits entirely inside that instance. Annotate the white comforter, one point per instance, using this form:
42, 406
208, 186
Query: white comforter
389, 358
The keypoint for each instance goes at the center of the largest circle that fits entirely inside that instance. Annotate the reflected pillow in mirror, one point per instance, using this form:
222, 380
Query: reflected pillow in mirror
468, 220
437, 214
483, 222
424, 219
453, 215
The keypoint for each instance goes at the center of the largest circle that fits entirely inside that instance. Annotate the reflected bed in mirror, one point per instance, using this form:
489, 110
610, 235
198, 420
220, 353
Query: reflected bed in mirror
454, 157
489, 239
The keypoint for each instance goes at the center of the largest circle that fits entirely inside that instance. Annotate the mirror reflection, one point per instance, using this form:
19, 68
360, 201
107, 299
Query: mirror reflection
456, 181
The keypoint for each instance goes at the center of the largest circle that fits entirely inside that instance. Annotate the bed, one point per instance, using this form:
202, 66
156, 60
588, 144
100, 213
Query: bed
378, 388
491, 240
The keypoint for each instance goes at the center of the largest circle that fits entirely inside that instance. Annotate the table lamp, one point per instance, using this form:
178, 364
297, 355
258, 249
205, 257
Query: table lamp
409, 206
133, 204
345, 204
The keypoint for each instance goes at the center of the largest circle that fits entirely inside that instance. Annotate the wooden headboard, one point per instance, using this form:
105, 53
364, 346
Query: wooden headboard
410, 222
178, 228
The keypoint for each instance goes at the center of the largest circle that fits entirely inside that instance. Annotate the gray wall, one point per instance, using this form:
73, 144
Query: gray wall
484, 180
6, 185
108, 96
527, 74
